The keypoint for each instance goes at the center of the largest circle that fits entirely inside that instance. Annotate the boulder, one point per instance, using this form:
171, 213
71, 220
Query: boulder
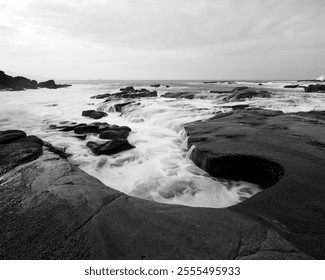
155, 85
87, 128
119, 107
94, 114
109, 147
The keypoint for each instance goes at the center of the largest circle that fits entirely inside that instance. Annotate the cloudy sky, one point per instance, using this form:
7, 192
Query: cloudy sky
163, 39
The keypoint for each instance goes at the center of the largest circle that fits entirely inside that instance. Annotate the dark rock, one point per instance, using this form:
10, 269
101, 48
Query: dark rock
51, 85
101, 96
114, 134
110, 147
315, 88
30, 139
260, 84
17, 153
241, 94
127, 89
82, 129
50, 209
16, 83
187, 95
155, 85
119, 107
94, 114
8, 136
293, 86
281, 152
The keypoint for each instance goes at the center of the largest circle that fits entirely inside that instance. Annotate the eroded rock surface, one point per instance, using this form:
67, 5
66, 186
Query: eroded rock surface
285, 154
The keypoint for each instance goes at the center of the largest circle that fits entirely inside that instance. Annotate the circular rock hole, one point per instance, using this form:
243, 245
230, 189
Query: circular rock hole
252, 169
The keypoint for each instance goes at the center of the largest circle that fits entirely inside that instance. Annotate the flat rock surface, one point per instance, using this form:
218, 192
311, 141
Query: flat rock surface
286, 151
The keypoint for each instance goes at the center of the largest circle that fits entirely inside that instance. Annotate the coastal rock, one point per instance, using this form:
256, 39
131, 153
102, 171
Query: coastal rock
51, 209
284, 154
114, 134
94, 114
315, 88
16, 83
110, 147
244, 93
101, 96
155, 85
119, 107
15, 151
8, 136
293, 86
87, 128
187, 95
51, 85
127, 89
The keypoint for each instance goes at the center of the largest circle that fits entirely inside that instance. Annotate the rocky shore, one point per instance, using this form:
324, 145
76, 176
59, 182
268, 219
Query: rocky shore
50, 209
8, 82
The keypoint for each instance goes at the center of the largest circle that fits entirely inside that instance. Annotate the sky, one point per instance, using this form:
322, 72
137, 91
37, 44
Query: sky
163, 39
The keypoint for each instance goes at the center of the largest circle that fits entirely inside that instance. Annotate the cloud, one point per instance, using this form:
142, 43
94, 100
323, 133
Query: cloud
152, 32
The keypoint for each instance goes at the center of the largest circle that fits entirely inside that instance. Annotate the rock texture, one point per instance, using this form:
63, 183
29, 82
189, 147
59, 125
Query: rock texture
50, 209
285, 154
315, 88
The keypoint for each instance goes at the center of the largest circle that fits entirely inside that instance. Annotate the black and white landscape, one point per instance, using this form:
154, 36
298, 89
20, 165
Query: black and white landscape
178, 168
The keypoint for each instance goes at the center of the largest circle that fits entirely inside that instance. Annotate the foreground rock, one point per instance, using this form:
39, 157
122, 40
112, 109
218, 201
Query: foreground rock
50, 209
285, 154
21, 83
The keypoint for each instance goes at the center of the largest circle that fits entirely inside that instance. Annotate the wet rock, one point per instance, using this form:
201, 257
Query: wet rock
8, 136
18, 151
94, 114
127, 89
114, 134
110, 147
242, 94
50, 84
50, 209
155, 85
315, 88
87, 128
101, 96
293, 86
282, 153
187, 95
119, 107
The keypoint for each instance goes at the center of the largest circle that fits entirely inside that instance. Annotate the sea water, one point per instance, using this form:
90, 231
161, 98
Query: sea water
159, 168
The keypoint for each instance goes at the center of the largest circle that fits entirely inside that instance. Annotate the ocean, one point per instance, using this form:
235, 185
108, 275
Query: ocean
159, 168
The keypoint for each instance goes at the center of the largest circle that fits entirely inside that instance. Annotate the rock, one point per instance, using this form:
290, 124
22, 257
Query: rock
51, 85
155, 85
119, 107
16, 83
187, 95
127, 89
94, 114
315, 88
18, 152
260, 84
243, 93
8, 136
50, 209
30, 139
293, 86
114, 134
82, 129
101, 96
110, 147
284, 153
